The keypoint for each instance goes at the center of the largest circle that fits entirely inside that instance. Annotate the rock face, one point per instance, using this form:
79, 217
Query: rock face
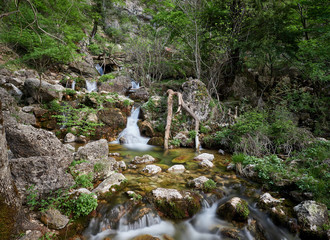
44, 92
146, 129
204, 156
53, 219
114, 179
175, 204
312, 216
69, 137
46, 173
196, 96
93, 150
178, 168
27, 141
236, 209
151, 170
144, 159
120, 84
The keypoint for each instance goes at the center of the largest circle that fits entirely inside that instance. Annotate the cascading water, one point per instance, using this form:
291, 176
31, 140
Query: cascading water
135, 85
73, 85
91, 86
131, 136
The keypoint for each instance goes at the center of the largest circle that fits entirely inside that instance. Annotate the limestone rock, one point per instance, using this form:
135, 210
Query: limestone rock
156, 141
144, 159
311, 217
112, 117
46, 173
93, 151
178, 168
267, 201
166, 193
151, 169
121, 165
114, 179
140, 94
27, 141
32, 235
206, 164
236, 209
53, 219
198, 182
184, 139
204, 156
120, 85
13, 90
146, 129
8, 101
44, 92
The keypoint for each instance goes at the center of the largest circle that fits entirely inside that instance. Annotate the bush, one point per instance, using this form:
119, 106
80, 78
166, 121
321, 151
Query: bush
81, 206
84, 180
107, 77
209, 185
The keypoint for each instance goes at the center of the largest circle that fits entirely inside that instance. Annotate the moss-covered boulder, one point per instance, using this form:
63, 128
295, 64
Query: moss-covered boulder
236, 209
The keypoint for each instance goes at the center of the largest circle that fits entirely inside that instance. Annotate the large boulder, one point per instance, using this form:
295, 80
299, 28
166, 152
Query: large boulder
198, 99
236, 209
120, 85
146, 129
53, 219
312, 216
27, 141
266, 201
93, 151
44, 91
112, 117
8, 101
46, 173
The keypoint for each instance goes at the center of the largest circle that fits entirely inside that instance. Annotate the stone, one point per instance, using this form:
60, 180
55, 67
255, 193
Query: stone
114, 179
120, 85
84, 68
13, 90
184, 139
27, 141
178, 168
18, 82
146, 129
206, 164
46, 173
93, 151
266, 201
8, 101
181, 159
198, 182
144, 159
92, 117
231, 167
28, 109
151, 169
69, 138
236, 209
53, 219
25, 118
121, 165
32, 235
140, 94
221, 152
312, 216
45, 92
204, 156
82, 190
112, 117
70, 147
156, 141
166, 193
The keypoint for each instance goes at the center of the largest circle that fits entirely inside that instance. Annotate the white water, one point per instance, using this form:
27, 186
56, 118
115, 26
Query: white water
131, 136
135, 85
73, 85
91, 86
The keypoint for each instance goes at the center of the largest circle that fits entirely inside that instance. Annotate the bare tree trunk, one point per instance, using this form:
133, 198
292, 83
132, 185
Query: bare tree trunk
182, 104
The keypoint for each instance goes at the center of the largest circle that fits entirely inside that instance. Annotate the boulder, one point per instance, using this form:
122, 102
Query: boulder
198, 182
121, 165
166, 194
16, 81
206, 164
8, 101
46, 173
312, 216
120, 85
266, 201
84, 68
114, 179
204, 156
25, 118
151, 170
146, 129
69, 138
45, 92
156, 141
178, 168
112, 117
93, 151
236, 209
53, 219
79, 191
140, 94
27, 141
144, 159
13, 90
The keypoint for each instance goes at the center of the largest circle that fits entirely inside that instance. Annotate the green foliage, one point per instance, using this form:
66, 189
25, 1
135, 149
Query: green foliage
135, 197
81, 205
98, 167
175, 142
106, 77
48, 236
192, 134
31, 198
84, 181
243, 209
209, 185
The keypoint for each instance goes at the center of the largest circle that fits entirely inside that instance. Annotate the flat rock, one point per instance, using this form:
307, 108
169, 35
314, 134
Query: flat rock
144, 159
178, 168
151, 169
44, 92
204, 156
166, 193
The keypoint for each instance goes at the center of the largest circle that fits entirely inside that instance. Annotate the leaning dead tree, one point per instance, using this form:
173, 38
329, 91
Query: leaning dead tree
183, 105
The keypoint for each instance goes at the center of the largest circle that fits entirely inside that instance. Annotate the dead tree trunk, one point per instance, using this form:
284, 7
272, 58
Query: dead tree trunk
182, 104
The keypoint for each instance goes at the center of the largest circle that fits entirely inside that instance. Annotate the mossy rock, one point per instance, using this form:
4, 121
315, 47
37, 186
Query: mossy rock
156, 141
181, 159
236, 209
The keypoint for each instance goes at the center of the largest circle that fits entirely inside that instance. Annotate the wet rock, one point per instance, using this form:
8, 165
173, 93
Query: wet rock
248, 171
146, 237
221, 152
175, 204
156, 141
236, 209
146, 129
151, 170
32, 235
120, 85
144, 159
69, 138
114, 179
198, 182
206, 164
257, 230
121, 165
93, 151
46, 173
181, 159
230, 233
178, 168
27, 141
53, 219
266, 201
45, 92
312, 216
204, 156
140, 94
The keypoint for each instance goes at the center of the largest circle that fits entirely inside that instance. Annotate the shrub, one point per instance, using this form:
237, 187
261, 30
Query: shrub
84, 180
107, 77
209, 185
81, 206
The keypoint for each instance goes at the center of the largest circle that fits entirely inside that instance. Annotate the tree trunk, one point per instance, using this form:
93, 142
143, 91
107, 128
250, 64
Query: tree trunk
182, 104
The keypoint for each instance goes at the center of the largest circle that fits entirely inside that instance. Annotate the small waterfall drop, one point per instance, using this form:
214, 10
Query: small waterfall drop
131, 136
99, 69
91, 86
135, 85
73, 85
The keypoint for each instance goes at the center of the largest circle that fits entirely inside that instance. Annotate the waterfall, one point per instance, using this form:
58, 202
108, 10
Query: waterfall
135, 85
91, 86
131, 136
73, 85
99, 69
